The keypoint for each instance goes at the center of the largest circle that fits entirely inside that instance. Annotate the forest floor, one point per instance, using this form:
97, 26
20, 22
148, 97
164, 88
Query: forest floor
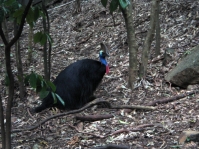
77, 36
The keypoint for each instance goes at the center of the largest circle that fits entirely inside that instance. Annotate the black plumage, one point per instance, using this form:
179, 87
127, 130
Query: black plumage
77, 83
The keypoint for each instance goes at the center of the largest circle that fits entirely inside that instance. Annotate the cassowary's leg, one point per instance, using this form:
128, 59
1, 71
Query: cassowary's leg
40, 108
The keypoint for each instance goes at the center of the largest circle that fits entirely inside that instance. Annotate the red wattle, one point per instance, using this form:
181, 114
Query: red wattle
107, 69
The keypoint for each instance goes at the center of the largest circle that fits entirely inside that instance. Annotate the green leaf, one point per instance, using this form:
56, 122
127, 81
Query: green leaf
49, 39
33, 80
40, 37
30, 17
60, 99
37, 37
113, 5
26, 79
18, 14
104, 2
36, 13
54, 97
43, 93
9, 2
43, 39
51, 85
124, 3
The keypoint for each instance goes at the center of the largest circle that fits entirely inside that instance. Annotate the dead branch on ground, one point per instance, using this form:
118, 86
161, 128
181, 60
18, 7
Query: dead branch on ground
59, 115
92, 118
95, 102
134, 107
170, 99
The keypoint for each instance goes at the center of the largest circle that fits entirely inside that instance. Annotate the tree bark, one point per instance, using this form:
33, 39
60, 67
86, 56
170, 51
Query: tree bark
148, 40
30, 47
157, 43
128, 17
2, 124
22, 89
47, 53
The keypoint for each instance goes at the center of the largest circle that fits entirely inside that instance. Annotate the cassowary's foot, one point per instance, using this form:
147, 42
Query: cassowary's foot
104, 105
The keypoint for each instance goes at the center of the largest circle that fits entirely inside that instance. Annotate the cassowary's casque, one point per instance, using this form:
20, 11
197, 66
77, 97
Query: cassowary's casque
77, 83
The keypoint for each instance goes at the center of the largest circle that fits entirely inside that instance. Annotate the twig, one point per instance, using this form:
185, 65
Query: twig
137, 107
170, 99
93, 117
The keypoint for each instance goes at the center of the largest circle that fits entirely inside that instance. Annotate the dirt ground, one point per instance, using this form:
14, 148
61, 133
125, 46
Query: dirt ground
77, 36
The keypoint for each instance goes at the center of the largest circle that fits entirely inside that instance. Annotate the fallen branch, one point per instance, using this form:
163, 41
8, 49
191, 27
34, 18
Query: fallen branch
135, 107
95, 102
92, 118
61, 114
170, 99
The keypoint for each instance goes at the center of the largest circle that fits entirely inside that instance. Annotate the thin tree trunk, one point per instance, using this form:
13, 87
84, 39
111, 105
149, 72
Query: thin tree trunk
47, 53
5, 30
148, 40
127, 13
22, 89
49, 45
30, 47
2, 124
157, 44
10, 96
46, 76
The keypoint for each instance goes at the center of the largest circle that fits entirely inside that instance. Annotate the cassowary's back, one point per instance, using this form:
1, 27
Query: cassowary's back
78, 81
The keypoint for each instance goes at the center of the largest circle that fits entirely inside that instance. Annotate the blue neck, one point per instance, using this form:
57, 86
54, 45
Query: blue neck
103, 61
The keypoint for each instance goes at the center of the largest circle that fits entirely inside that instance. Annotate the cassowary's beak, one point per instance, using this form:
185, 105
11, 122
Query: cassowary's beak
105, 49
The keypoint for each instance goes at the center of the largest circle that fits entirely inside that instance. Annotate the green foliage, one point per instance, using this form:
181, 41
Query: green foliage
124, 3
42, 38
39, 84
7, 7
42, 86
18, 14
33, 14
115, 3
104, 2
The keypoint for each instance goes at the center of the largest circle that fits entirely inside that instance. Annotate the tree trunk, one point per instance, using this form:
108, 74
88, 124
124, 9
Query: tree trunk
2, 124
22, 89
30, 47
10, 96
157, 43
46, 54
127, 13
148, 40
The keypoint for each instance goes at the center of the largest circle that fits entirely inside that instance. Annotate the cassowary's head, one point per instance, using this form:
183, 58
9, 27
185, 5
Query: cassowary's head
102, 55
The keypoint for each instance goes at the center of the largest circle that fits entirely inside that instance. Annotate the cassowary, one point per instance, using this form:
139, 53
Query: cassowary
77, 83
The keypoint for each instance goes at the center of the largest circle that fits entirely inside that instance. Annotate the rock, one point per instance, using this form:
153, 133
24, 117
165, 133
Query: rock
187, 71
189, 136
